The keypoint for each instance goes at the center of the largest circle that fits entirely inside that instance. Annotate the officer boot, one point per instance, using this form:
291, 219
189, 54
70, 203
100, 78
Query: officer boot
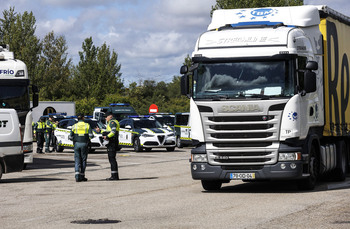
114, 176
77, 178
83, 178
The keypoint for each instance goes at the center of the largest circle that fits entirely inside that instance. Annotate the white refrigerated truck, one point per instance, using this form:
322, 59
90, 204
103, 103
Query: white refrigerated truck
270, 96
16, 149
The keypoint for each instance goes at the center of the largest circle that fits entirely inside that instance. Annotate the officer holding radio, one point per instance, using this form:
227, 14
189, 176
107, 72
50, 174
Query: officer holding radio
112, 134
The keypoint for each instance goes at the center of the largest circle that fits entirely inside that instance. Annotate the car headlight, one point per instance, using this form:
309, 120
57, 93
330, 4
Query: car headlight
296, 156
199, 158
147, 135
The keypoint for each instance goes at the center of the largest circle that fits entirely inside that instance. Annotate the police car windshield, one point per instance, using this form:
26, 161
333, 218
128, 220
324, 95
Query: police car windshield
146, 123
95, 123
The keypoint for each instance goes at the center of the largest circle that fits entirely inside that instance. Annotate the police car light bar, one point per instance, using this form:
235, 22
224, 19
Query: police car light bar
119, 104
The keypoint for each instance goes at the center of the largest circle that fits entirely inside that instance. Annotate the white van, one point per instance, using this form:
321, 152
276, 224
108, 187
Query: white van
11, 143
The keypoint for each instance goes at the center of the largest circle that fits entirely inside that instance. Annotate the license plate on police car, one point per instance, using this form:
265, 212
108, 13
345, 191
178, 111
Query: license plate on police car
242, 176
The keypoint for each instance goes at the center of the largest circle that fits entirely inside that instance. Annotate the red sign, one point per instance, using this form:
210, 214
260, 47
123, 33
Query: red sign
153, 108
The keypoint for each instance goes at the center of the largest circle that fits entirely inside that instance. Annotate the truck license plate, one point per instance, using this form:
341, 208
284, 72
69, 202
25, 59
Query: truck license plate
242, 176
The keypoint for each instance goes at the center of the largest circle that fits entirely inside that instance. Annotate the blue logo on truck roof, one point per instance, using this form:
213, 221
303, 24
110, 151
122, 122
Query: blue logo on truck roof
263, 12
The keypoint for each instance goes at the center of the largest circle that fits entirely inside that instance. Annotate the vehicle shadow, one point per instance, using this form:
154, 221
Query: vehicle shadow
49, 163
28, 179
278, 187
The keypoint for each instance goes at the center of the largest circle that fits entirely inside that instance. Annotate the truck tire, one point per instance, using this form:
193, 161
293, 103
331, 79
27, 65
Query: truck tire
137, 145
211, 185
314, 167
339, 173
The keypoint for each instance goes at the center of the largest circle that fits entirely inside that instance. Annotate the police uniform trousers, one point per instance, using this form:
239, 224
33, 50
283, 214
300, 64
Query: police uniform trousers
112, 148
48, 137
80, 157
40, 141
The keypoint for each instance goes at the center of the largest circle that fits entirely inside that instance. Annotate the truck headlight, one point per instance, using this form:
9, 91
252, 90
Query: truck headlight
296, 156
199, 158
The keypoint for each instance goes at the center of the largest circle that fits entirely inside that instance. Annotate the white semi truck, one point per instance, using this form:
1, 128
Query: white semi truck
16, 141
270, 96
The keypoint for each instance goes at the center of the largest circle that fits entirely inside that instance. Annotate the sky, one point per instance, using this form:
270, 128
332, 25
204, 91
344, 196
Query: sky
151, 37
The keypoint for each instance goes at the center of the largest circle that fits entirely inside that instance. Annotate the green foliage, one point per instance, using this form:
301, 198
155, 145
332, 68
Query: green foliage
236, 4
53, 69
97, 73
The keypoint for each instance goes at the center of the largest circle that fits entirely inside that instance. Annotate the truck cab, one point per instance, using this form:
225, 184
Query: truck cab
259, 98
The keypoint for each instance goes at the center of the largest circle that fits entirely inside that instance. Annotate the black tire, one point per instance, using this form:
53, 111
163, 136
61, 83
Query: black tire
59, 148
211, 185
339, 173
0, 171
24, 166
137, 145
314, 167
178, 142
170, 149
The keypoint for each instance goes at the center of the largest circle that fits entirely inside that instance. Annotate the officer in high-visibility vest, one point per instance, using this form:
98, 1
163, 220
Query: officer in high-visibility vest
112, 135
39, 131
80, 134
48, 133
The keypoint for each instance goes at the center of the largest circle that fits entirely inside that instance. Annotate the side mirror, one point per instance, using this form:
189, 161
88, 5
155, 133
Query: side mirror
185, 85
35, 91
309, 81
127, 127
312, 65
183, 69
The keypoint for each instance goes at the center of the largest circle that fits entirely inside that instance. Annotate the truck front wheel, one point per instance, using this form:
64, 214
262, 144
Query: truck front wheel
314, 165
211, 185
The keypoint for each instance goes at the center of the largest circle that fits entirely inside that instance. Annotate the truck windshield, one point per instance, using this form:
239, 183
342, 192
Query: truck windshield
237, 80
14, 96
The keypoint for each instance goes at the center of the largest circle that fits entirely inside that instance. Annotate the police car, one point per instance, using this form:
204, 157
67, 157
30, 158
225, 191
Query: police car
65, 126
144, 132
166, 120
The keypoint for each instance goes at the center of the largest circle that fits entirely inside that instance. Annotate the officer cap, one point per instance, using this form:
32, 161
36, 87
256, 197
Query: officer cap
108, 113
80, 116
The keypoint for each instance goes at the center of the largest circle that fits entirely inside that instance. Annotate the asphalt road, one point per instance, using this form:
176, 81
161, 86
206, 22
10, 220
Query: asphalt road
156, 191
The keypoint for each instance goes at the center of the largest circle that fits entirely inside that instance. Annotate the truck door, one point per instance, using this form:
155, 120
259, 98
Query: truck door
11, 146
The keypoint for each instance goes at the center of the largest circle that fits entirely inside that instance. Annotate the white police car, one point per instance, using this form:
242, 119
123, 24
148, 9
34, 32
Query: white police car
144, 132
64, 127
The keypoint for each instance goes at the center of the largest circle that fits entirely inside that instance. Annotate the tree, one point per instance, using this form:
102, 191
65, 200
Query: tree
18, 30
53, 68
235, 4
97, 75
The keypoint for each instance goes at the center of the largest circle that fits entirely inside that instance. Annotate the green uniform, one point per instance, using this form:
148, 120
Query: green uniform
112, 133
80, 134
39, 131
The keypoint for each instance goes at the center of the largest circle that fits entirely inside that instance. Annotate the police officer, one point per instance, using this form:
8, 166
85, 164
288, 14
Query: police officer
80, 134
48, 133
39, 131
112, 135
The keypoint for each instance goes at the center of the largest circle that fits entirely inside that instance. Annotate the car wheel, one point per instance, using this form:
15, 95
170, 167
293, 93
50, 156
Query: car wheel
137, 145
178, 142
60, 148
0, 170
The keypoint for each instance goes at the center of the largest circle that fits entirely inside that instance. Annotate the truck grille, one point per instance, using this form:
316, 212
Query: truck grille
234, 139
